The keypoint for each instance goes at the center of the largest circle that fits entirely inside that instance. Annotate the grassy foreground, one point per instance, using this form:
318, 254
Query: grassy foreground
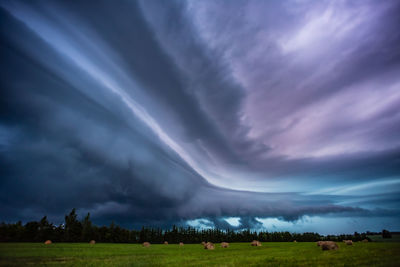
238, 254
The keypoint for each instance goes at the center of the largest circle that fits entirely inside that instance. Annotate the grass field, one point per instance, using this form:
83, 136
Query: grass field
238, 254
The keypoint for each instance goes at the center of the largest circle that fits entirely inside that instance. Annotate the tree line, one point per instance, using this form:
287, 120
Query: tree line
74, 230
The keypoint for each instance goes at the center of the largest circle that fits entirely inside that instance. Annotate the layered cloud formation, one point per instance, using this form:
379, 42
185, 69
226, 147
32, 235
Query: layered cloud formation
211, 113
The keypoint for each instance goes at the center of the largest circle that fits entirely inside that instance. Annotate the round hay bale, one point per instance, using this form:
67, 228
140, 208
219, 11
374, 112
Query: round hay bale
365, 240
92, 242
329, 245
165, 242
224, 245
349, 242
47, 242
256, 243
146, 244
295, 241
319, 243
209, 246
180, 243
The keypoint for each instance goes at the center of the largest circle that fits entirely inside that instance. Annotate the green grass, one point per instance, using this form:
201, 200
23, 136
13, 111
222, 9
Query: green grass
238, 254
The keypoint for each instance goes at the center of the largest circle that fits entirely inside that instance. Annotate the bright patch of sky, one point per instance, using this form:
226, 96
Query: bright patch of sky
200, 223
234, 221
329, 225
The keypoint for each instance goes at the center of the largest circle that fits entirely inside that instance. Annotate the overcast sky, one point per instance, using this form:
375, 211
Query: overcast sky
276, 115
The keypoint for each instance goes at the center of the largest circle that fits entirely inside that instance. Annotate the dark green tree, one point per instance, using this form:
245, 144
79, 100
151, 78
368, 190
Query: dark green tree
73, 228
386, 234
45, 230
87, 229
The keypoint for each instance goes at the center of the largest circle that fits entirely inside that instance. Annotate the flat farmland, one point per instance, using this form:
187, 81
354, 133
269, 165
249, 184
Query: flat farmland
238, 254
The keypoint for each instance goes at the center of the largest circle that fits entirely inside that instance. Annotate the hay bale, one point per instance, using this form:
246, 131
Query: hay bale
180, 243
349, 242
146, 244
165, 242
295, 241
209, 246
319, 243
48, 242
92, 242
203, 243
224, 245
256, 243
365, 240
329, 245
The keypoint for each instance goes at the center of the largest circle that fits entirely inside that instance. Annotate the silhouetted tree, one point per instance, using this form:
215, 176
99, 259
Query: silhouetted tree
87, 230
73, 228
386, 234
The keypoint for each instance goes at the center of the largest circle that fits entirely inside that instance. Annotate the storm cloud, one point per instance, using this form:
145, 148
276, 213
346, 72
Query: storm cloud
155, 112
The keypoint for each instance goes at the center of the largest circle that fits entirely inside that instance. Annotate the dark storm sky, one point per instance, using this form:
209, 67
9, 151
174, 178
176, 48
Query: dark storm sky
282, 115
